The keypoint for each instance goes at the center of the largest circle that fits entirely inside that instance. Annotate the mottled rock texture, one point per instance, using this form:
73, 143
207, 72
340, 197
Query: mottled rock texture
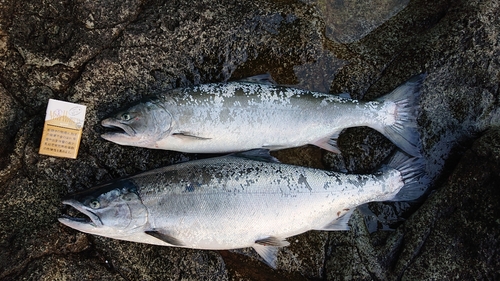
106, 54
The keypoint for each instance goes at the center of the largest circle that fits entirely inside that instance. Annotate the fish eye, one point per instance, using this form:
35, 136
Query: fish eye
94, 204
126, 116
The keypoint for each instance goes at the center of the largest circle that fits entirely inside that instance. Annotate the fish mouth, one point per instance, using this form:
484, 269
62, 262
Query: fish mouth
89, 221
121, 130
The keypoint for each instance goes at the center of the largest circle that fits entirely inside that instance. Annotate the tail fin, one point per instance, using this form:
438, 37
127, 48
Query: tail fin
403, 133
415, 178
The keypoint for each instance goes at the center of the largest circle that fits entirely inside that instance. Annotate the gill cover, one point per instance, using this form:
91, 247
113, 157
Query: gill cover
111, 207
140, 125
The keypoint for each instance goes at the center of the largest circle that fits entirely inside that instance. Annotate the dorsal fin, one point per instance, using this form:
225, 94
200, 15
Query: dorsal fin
345, 96
260, 79
258, 154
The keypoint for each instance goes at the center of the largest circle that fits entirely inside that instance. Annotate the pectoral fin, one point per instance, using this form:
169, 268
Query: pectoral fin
258, 154
163, 236
188, 136
273, 147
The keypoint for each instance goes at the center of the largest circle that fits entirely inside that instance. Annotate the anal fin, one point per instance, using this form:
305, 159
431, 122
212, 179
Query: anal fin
164, 237
329, 143
341, 222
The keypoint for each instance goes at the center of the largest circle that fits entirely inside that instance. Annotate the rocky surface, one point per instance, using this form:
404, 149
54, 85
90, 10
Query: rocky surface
107, 54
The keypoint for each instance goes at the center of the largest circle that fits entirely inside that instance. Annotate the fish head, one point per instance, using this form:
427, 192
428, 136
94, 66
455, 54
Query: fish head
110, 210
140, 125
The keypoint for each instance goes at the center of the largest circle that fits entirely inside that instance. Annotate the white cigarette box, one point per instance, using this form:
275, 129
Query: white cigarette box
62, 130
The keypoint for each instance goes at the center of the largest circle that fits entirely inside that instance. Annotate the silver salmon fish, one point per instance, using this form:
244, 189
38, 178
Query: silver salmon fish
242, 200
239, 116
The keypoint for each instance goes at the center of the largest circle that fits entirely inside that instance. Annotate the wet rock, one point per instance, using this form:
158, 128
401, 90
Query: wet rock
134, 261
456, 231
350, 21
454, 234
10, 112
106, 55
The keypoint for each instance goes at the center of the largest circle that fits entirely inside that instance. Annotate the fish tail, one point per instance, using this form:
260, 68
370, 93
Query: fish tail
403, 131
413, 173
